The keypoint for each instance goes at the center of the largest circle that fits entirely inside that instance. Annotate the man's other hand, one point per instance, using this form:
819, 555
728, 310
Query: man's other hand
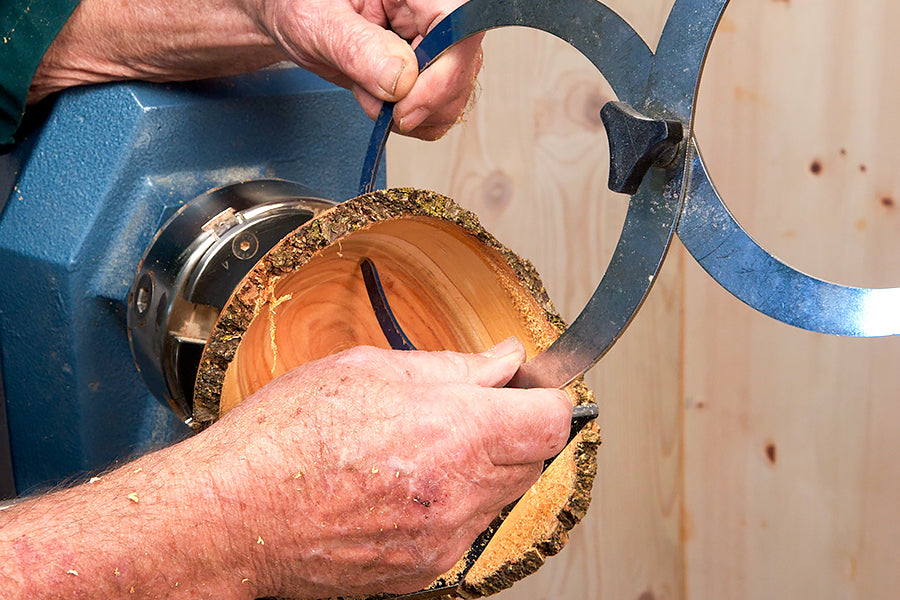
364, 45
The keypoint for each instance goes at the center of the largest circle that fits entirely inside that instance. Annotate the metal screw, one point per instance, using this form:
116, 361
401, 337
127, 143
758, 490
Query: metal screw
144, 294
245, 245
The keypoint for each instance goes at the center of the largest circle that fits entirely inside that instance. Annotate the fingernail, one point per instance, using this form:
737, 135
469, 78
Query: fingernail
409, 122
389, 74
506, 348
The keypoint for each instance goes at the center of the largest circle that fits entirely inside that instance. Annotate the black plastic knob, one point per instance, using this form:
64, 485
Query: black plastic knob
636, 143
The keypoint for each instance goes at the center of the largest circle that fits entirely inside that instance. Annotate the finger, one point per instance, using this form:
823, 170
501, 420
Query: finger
369, 103
435, 126
525, 426
442, 91
492, 368
513, 481
374, 58
405, 21
428, 13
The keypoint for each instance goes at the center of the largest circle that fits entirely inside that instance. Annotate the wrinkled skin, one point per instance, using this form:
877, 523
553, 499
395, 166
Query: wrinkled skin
419, 448
368, 471
363, 45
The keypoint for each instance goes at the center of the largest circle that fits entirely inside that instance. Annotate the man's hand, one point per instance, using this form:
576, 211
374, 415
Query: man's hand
364, 472
377, 469
364, 45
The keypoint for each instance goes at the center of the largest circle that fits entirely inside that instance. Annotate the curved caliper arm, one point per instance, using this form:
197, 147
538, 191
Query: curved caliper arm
727, 252
655, 88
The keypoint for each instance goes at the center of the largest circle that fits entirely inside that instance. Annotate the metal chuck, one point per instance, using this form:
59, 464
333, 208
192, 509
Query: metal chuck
192, 267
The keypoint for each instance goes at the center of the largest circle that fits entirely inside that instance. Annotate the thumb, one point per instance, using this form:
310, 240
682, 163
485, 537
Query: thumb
375, 58
492, 368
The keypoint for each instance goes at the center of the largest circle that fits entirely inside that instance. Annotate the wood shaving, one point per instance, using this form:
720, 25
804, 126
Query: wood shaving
281, 300
273, 304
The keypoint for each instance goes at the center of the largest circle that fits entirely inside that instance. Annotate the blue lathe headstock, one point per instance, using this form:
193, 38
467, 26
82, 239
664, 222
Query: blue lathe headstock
89, 190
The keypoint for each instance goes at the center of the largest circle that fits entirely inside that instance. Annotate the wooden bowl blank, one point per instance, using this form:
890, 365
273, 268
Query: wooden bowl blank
452, 286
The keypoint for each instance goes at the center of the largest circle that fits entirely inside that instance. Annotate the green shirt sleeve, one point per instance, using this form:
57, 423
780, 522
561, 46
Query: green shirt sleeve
27, 27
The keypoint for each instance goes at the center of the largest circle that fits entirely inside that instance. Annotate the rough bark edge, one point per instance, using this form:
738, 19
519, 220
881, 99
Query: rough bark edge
585, 458
309, 239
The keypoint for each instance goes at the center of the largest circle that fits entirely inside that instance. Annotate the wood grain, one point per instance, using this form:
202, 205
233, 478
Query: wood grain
791, 486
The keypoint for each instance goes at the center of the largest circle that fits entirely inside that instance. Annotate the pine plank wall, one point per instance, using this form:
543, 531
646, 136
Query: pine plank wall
742, 458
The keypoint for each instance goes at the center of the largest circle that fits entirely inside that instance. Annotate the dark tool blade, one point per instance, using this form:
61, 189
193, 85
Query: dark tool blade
386, 319
398, 340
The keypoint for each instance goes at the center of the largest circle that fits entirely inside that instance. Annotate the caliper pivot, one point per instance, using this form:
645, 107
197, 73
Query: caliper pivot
636, 143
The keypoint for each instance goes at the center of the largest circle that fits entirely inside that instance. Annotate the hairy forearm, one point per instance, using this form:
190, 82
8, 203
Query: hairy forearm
363, 45
152, 529
369, 471
110, 40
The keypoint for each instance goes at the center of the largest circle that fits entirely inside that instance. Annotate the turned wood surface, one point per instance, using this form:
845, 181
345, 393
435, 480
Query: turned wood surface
742, 458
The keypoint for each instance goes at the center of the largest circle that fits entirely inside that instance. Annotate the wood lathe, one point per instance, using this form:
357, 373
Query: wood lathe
224, 196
